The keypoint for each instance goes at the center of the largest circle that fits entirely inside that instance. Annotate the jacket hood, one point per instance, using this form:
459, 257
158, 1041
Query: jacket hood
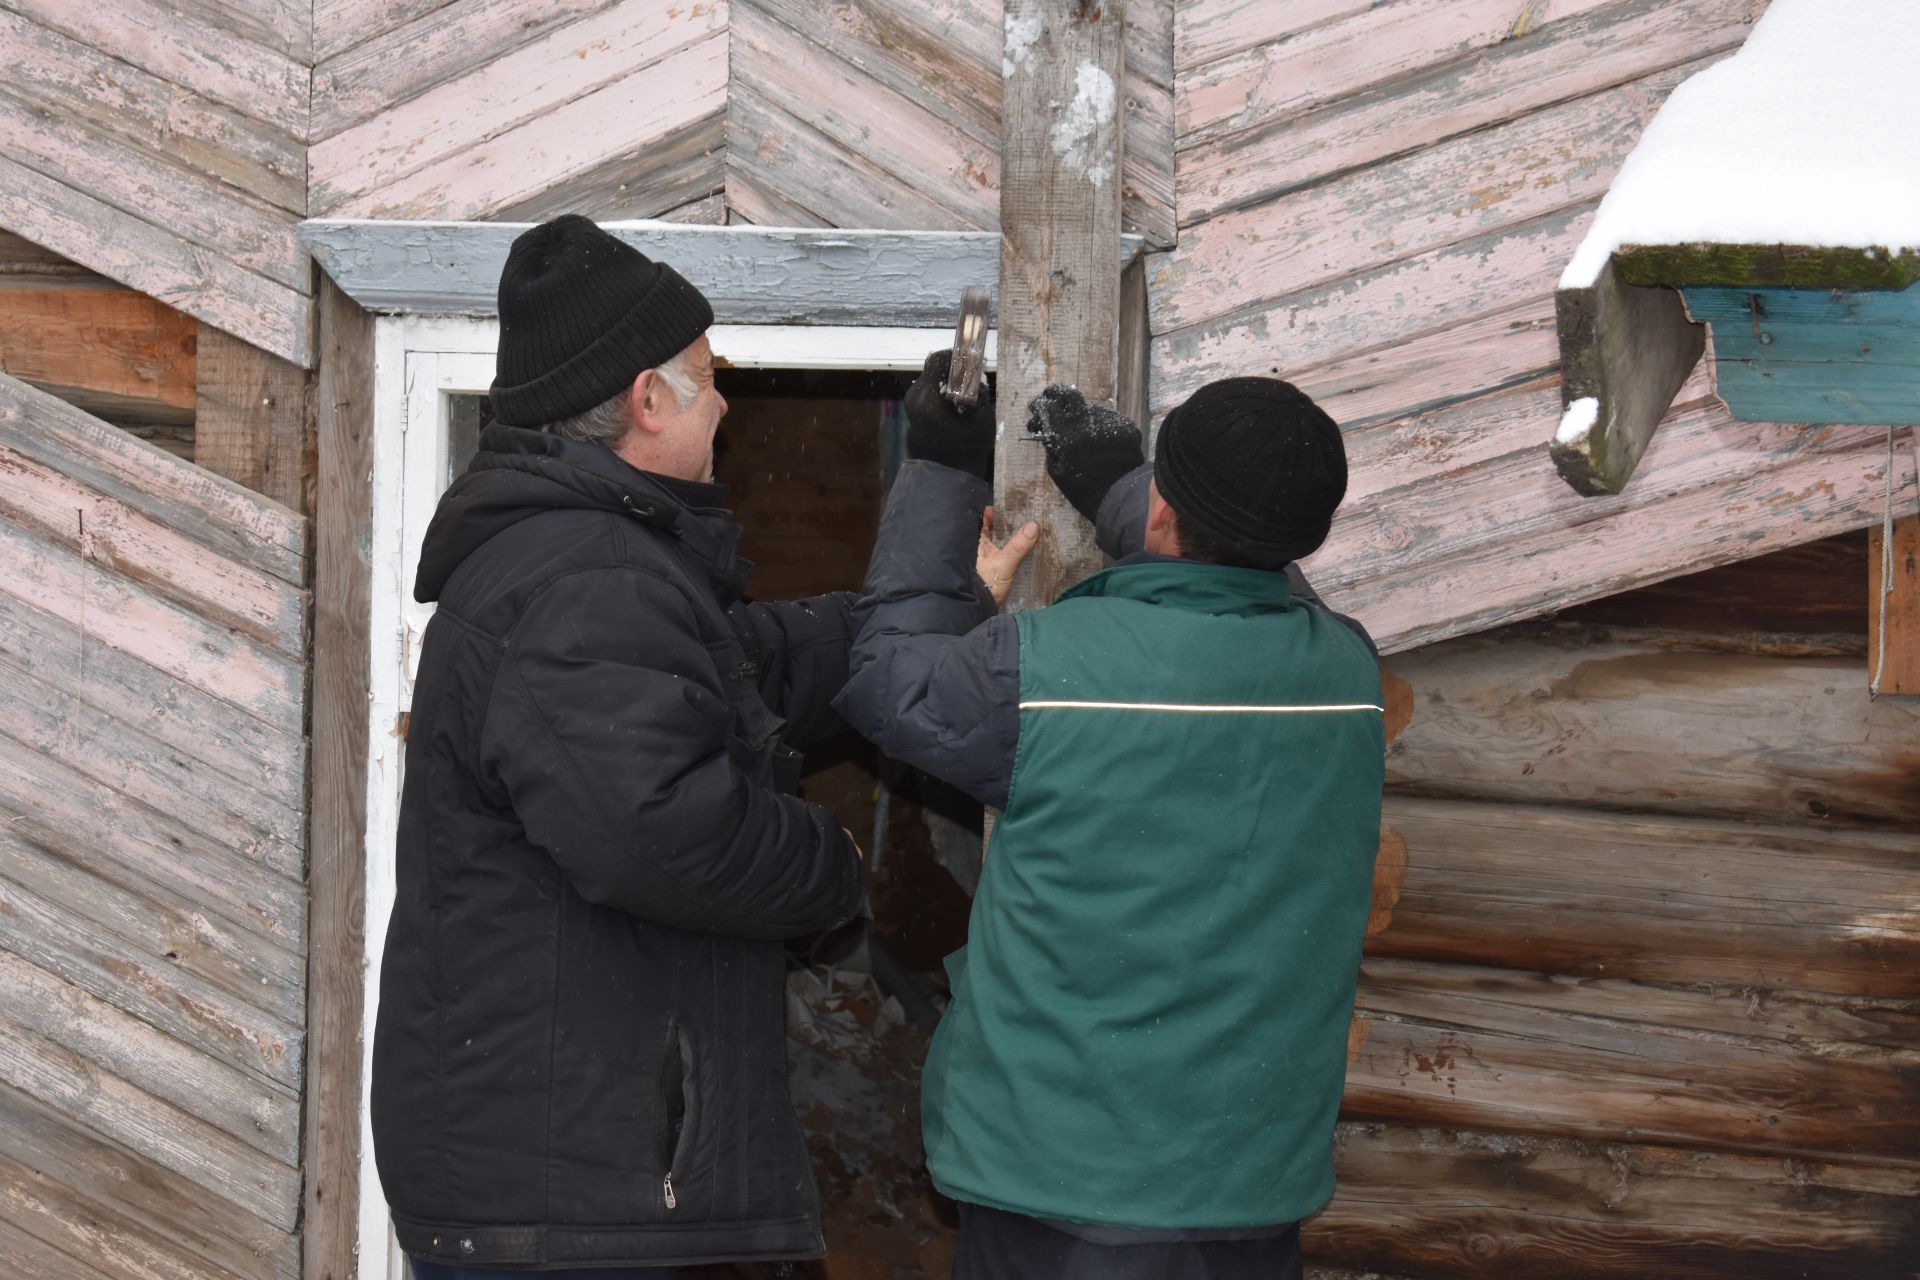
520, 473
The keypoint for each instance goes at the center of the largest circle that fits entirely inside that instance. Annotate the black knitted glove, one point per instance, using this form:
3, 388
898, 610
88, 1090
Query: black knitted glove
1089, 446
938, 432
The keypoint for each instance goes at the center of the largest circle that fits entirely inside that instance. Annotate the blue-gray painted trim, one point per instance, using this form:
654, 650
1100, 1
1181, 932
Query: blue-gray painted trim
752, 275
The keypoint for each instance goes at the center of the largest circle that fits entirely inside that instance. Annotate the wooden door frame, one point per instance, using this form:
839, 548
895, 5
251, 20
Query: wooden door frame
782, 299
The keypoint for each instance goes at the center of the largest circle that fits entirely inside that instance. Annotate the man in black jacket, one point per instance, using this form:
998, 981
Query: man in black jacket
579, 1060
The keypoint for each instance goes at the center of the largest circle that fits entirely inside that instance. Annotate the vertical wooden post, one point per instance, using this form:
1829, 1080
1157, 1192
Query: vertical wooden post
250, 424
1059, 245
1901, 674
336, 857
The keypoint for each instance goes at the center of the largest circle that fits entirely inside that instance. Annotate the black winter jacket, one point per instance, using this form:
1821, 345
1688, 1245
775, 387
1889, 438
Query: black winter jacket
579, 1057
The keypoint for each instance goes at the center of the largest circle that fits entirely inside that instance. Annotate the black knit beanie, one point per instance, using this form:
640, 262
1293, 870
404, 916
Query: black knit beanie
582, 314
1256, 465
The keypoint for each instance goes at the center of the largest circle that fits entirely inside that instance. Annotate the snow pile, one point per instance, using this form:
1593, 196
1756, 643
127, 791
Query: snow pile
1577, 421
1810, 135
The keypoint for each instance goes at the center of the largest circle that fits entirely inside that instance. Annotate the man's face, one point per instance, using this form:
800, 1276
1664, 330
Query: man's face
686, 433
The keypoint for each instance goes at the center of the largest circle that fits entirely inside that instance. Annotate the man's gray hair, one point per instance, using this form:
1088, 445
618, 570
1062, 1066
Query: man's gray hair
608, 421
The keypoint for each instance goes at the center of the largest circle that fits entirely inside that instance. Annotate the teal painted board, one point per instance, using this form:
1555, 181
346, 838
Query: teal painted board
1815, 355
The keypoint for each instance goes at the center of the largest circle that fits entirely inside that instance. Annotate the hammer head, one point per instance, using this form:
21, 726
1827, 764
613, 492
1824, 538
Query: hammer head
968, 371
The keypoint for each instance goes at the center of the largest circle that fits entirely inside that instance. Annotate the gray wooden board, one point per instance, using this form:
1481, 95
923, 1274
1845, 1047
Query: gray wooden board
235, 749
177, 641
212, 509
61, 809
164, 925
1059, 221
77, 1224
263, 1116
30, 1256
110, 534
178, 1003
1630, 348
343, 583
752, 275
83, 1088
147, 1201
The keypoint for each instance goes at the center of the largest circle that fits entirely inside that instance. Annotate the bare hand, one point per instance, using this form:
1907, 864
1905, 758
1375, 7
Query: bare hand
996, 564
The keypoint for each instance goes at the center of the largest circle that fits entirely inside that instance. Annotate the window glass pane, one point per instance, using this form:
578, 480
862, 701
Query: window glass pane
467, 417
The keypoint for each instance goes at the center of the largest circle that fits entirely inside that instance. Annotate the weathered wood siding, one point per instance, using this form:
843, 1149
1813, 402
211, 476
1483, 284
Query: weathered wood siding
1648, 1002
153, 633
518, 109
887, 113
164, 146
1375, 201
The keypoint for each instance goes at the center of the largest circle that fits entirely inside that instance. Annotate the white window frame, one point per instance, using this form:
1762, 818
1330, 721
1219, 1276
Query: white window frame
419, 361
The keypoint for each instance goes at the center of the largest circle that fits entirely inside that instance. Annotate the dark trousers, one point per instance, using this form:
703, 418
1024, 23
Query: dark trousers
996, 1245
423, 1270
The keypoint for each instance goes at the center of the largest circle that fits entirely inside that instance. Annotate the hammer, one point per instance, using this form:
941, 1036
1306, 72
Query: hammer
967, 371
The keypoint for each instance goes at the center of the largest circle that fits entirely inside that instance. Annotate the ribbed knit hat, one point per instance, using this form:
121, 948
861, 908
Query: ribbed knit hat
582, 314
1256, 465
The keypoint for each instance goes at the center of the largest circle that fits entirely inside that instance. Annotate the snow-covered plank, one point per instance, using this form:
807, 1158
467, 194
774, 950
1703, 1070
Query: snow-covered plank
1802, 138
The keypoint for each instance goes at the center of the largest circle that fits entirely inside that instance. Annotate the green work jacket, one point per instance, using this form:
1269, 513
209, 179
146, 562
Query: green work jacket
1149, 1023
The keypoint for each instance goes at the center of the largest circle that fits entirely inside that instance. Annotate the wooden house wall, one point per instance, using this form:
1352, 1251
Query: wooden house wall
886, 113
164, 145
1375, 200
1648, 1002
518, 109
153, 768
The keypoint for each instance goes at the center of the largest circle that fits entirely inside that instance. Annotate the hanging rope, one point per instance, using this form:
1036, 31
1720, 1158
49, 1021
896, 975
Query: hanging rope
1886, 574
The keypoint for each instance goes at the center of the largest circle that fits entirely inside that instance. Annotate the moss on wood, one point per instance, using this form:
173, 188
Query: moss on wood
1766, 265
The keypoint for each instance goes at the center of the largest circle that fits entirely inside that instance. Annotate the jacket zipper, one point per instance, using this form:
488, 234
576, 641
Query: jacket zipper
666, 1184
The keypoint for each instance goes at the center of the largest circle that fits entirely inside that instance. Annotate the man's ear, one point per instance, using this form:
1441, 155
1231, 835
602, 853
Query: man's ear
643, 401
1160, 516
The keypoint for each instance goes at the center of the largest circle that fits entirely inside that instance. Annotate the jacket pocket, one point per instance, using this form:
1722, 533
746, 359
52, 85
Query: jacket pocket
676, 1107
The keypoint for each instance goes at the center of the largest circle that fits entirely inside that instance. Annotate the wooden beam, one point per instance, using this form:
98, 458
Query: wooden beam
251, 421
752, 275
1819, 355
343, 583
1554, 716
115, 353
1658, 899
1451, 1204
1900, 635
1718, 1067
1625, 350
1059, 237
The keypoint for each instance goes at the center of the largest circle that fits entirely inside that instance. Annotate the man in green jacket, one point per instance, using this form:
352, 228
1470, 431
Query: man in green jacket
1140, 1069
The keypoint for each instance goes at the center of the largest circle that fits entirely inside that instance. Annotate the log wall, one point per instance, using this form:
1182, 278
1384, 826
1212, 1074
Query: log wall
1646, 1003
153, 773
1375, 200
